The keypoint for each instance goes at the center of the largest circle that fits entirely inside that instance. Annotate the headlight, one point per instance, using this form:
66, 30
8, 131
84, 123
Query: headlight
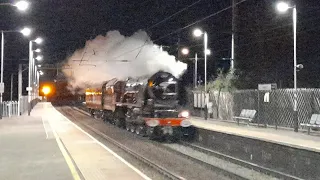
153, 122
184, 114
185, 123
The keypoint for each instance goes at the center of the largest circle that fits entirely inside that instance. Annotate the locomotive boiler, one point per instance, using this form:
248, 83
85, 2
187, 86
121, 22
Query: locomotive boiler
148, 106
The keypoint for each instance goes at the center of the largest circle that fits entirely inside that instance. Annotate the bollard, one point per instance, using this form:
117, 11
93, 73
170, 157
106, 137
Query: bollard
205, 112
29, 108
1, 111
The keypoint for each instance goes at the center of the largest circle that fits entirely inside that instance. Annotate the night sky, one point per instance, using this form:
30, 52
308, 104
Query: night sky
264, 40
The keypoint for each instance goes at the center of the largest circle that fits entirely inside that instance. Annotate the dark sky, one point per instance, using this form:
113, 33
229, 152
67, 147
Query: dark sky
264, 37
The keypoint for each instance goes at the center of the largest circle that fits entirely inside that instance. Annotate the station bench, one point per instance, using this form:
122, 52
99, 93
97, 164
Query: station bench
314, 122
246, 114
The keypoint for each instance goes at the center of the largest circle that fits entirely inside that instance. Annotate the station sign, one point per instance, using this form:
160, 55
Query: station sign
267, 87
1, 87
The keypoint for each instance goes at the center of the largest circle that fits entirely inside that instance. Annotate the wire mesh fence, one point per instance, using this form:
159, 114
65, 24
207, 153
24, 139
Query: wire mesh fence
273, 107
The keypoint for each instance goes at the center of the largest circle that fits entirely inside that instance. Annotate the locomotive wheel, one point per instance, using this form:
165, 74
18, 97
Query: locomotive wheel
150, 133
128, 126
95, 115
117, 122
91, 112
132, 128
141, 130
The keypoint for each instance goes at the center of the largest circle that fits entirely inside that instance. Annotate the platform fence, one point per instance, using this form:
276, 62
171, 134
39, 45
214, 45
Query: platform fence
273, 107
16, 108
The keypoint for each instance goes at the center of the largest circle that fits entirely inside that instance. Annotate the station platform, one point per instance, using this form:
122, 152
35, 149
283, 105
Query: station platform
46, 145
281, 151
280, 136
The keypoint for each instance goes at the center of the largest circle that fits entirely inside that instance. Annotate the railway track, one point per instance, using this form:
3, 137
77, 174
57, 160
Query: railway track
168, 173
253, 166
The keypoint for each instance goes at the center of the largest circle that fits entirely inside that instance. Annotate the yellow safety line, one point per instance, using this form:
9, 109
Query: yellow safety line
66, 156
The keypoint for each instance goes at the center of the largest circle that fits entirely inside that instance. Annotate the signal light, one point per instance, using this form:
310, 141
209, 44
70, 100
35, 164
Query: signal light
46, 90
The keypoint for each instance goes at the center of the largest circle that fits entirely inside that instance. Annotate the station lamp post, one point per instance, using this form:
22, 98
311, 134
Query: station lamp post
283, 7
25, 32
198, 33
31, 70
185, 51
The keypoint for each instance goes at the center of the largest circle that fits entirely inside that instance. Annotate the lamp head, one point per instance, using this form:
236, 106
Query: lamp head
22, 5
197, 32
282, 7
26, 31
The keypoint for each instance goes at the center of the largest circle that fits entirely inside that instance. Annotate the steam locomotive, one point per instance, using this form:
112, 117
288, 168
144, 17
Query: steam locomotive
145, 106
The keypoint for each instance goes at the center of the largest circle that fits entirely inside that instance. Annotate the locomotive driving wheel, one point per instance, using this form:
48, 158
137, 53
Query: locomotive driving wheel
140, 130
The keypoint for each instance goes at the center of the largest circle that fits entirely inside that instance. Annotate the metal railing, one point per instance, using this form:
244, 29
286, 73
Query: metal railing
10, 108
15, 108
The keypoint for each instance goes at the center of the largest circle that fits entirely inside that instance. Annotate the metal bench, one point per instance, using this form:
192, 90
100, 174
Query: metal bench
314, 122
246, 114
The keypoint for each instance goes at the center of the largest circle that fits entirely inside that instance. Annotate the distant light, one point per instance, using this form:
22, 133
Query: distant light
282, 7
22, 5
185, 51
171, 79
38, 40
197, 32
208, 52
26, 31
37, 50
46, 90
39, 58
39, 65
41, 73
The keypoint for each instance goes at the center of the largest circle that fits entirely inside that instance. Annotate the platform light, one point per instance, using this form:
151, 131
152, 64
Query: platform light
185, 51
26, 31
22, 5
38, 40
39, 58
208, 52
197, 32
282, 7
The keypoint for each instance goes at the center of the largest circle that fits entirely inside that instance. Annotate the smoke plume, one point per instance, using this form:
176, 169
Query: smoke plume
118, 56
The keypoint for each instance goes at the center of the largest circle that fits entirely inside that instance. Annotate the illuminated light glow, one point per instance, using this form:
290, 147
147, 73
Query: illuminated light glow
184, 114
185, 123
38, 40
46, 90
150, 84
153, 122
171, 79
282, 7
22, 5
185, 51
208, 52
26, 31
197, 32
39, 58
37, 50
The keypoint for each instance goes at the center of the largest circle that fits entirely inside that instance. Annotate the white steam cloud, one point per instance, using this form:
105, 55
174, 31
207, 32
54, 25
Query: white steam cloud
117, 56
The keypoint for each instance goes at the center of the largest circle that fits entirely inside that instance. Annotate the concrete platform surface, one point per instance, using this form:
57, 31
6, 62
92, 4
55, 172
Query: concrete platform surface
27, 154
285, 137
47, 145
93, 159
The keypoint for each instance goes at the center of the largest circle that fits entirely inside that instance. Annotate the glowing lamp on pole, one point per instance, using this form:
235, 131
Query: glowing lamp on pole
22, 5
